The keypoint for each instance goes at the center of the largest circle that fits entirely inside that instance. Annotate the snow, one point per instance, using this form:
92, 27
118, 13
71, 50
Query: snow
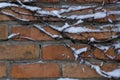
96, 68
5, 4
49, 34
28, 0
99, 15
13, 35
117, 45
71, 29
92, 39
115, 73
114, 12
67, 79
8, 14
28, 38
79, 22
102, 47
60, 28
77, 52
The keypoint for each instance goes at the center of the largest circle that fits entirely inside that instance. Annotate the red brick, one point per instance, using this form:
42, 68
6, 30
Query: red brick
33, 32
74, 70
3, 69
18, 52
96, 35
3, 32
17, 12
5, 18
99, 54
42, 70
60, 52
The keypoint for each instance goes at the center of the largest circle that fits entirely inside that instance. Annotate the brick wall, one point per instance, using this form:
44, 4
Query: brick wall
34, 53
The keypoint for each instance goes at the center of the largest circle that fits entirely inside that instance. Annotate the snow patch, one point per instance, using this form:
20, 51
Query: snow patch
13, 35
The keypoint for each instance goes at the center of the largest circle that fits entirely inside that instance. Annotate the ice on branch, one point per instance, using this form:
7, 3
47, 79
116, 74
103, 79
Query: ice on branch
5, 4
28, 0
112, 74
11, 15
71, 29
77, 52
49, 34
13, 35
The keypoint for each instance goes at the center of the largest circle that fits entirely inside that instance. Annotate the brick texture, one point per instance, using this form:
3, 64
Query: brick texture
82, 71
16, 12
49, 70
99, 54
18, 52
35, 55
33, 33
88, 35
3, 32
3, 70
60, 52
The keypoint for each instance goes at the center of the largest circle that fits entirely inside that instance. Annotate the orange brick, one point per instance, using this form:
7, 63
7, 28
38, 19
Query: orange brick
60, 52
44, 70
18, 52
3, 69
74, 70
3, 32
57, 52
33, 33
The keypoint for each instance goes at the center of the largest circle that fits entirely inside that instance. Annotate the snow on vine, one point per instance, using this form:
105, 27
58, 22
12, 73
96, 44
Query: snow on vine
112, 74
39, 12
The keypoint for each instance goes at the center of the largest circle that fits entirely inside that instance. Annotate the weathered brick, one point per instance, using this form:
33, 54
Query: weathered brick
79, 12
57, 52
37, 70
100, 54
61, 52
18, 52
3, 32
113, 18
48, 0
33, 33
19, 13
3, 69
5, 18
74, 70
96, 35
